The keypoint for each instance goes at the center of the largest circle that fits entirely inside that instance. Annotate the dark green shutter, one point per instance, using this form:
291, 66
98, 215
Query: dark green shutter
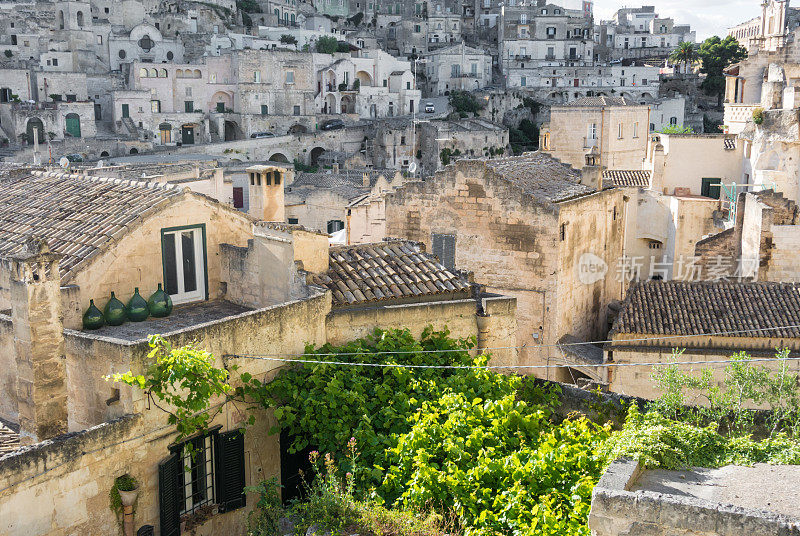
230, 471
170, 496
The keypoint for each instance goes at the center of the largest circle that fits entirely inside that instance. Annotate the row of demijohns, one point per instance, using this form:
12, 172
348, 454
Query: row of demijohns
138, 309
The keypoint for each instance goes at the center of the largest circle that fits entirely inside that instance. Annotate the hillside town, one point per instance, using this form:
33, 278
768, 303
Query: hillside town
424, 268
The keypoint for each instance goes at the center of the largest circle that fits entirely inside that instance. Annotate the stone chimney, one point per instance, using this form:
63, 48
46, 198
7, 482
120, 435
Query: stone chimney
38, 342
365, 180
657, 163
266, 192
591, 172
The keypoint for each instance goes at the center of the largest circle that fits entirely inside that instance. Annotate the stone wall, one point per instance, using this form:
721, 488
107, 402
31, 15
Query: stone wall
617, 509
458, 316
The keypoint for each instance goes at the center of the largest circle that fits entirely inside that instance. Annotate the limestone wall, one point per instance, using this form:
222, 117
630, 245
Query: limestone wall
783, 265
345, 325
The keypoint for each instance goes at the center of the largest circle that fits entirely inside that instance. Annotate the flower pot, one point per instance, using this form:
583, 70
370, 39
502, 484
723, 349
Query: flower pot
128, 497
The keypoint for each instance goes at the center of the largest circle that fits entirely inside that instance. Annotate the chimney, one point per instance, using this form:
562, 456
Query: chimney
657, 167
266, 192
38, 342
591, 172
365, 180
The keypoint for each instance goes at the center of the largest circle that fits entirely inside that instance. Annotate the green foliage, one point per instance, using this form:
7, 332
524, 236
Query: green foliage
356, 19
264, 519
465, 103
758, 115
327, 45
676, 129
342, 46
8, 53
657, 441
685, 53
248, 6
300, 166
182, 382
744, 386
524, 138
122, 483
356, 84
287, 39
715, 55
444, 156
711, 126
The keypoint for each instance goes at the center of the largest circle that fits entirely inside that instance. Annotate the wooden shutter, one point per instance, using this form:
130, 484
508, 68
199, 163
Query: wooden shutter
170, 496
230, 471
444, 247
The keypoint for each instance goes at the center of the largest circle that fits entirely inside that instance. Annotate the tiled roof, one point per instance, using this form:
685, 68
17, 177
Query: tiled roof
692, 308
540, 175
602, 101
627, 177
386, 271
9, 440
347, 183
77, 215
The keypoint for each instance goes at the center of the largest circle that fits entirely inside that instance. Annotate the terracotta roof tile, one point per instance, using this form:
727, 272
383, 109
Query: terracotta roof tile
386, 271
78, 215
684, 308
627, 177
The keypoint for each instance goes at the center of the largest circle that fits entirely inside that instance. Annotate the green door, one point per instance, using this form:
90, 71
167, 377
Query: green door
73, 125
187, 135
710, 187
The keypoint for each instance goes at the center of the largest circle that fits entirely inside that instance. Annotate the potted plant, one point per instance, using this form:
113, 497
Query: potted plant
124, 492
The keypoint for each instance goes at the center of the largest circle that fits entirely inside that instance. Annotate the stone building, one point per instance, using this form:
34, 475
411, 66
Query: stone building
529, 227
244, 288
710, 320
441, 140
613, 128
639, 32
457, 67
770, 30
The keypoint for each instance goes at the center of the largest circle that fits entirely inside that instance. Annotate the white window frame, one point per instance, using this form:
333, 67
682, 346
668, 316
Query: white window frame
199, 293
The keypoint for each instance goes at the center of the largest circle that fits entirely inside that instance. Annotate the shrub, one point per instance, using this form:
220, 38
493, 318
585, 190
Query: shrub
676, 129
8, 53
327, 45
287, 39
758, 116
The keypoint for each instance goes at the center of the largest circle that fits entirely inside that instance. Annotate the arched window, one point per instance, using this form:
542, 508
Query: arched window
60, 20
80, 19
143, 73
146, 44
163, 73
122, 54
154, 73
170, 55
197, 74
179, 73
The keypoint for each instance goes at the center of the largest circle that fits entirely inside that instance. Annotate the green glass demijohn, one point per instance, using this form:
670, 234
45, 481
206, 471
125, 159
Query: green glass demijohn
93, 317
114, 312
137, 307
160, 304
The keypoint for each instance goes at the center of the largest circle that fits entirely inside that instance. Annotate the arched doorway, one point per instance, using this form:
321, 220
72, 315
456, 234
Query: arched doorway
348, 105
297, 129
73, 125
232, 131
104, 154
34, 123
330, 104
279, 157
316, 152
134, 150
364, 78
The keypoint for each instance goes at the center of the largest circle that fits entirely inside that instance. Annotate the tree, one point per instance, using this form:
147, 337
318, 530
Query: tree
685, 54
287, 39
715, 55
327, 45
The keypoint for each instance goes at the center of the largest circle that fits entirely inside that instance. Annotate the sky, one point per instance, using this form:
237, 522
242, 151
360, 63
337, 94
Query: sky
707, 17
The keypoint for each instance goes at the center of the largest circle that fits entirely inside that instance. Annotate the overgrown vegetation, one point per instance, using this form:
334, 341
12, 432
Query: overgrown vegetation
287, 39
465, 103
524, 138
715, 55
676, 129
327, 45
429, 451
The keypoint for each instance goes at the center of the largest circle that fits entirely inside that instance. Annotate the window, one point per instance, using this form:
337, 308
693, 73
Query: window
293, 221
444, 247
710, 188
296, 109
551, 32
673, 120
188, 106
455, 70
188, 91
653, 244
563, 232
644, 81
591, 132
13, 39
155, 106
523, 81
126, 112
290, 77
619, 131
183, 258
257, 77
636, 130
71, 97
264, 109
335, 225
122, 54
215, 474
523, 18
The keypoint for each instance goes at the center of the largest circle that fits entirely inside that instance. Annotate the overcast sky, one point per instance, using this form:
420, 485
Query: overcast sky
707, 17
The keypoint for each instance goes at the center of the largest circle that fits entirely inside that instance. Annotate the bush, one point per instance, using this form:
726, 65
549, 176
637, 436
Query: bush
464, 103
287, 39
327, 45
8, 53
758, 116
676, 129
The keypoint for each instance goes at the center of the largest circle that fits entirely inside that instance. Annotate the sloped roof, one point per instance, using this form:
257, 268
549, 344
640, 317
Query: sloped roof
627, 177
77, 215
540, 175
602, 101
9, 440
347, 183
693, 308
385, 271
